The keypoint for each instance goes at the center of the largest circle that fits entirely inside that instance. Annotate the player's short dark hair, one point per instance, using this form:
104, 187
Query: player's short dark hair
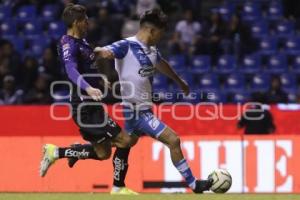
73, 12
155, 17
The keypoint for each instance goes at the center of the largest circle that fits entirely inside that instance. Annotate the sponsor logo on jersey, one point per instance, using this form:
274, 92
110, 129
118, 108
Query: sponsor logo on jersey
146, 71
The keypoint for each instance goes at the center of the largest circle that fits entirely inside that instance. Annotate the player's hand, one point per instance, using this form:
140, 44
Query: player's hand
104, 53
96, 94
185, 87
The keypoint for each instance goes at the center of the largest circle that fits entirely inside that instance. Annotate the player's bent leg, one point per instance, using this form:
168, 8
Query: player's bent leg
120, 163
169, 138
103, 150
123, 140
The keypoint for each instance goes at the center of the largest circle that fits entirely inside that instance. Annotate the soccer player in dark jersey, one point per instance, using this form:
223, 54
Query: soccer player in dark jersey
94, 124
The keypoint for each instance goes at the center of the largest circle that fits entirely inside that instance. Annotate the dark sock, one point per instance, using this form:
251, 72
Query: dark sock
120, 163
82, 151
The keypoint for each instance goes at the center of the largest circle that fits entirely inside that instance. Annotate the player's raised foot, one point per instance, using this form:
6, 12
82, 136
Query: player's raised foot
49, 157
122, 191
72, 161
203, 185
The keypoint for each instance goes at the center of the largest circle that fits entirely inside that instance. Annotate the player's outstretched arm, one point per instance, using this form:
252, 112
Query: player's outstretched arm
104, 53
164, 67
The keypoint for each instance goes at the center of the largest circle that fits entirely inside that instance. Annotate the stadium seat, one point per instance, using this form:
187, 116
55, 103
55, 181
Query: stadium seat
268, 45
288, 81
201, 64
213, 96
239, 96
275, 10
38, 45
251, 11
226, 11
8, 28
56, 29
159, 81
193, 97
292, 45
177, 62
32, 28
251, 64
49, 12
209, 81
292, 95
296, 64
259, 28
234, 82
26, 13
285, 29
5, 13
277, 63
260, 82
226, 64
188, 77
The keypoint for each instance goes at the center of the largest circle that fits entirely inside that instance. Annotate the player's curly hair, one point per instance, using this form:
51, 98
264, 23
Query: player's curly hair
73, 12
155, 17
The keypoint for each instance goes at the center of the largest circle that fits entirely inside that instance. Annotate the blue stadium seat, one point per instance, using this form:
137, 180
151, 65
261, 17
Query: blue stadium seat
226, 64
8, 28
292, 45
50, 12
234, 82
226, 11
292, 95
268, 45
26, 13
177, 62
213, 96
277, 64
240, 96
285, 28
275, 10
5, 13
201, 64
56, 29
38, 45
159, 81
162, 95
251, 11
296, 64
288, 81
251, 64
32, 28
260, 82
209, 81
259, 28
193, 97
188, 77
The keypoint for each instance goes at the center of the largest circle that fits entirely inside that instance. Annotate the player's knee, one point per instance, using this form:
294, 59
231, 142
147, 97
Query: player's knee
103, 155
174, 142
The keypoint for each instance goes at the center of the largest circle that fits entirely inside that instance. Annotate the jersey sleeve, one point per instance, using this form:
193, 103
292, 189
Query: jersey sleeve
119, 48
69, 57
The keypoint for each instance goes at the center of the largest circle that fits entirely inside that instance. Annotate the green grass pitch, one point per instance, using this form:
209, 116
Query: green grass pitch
101, 196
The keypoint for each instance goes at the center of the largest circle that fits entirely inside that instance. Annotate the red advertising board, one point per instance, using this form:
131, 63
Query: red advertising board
260, 164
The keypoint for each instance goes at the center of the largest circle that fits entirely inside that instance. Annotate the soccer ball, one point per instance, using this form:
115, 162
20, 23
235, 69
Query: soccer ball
222, 181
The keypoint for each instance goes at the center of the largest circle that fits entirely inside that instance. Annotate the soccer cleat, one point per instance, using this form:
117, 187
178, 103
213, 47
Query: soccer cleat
48, 158
122, 191
72, 161
203, 185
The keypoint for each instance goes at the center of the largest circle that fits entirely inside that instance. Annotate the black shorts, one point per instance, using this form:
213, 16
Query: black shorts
94, 123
